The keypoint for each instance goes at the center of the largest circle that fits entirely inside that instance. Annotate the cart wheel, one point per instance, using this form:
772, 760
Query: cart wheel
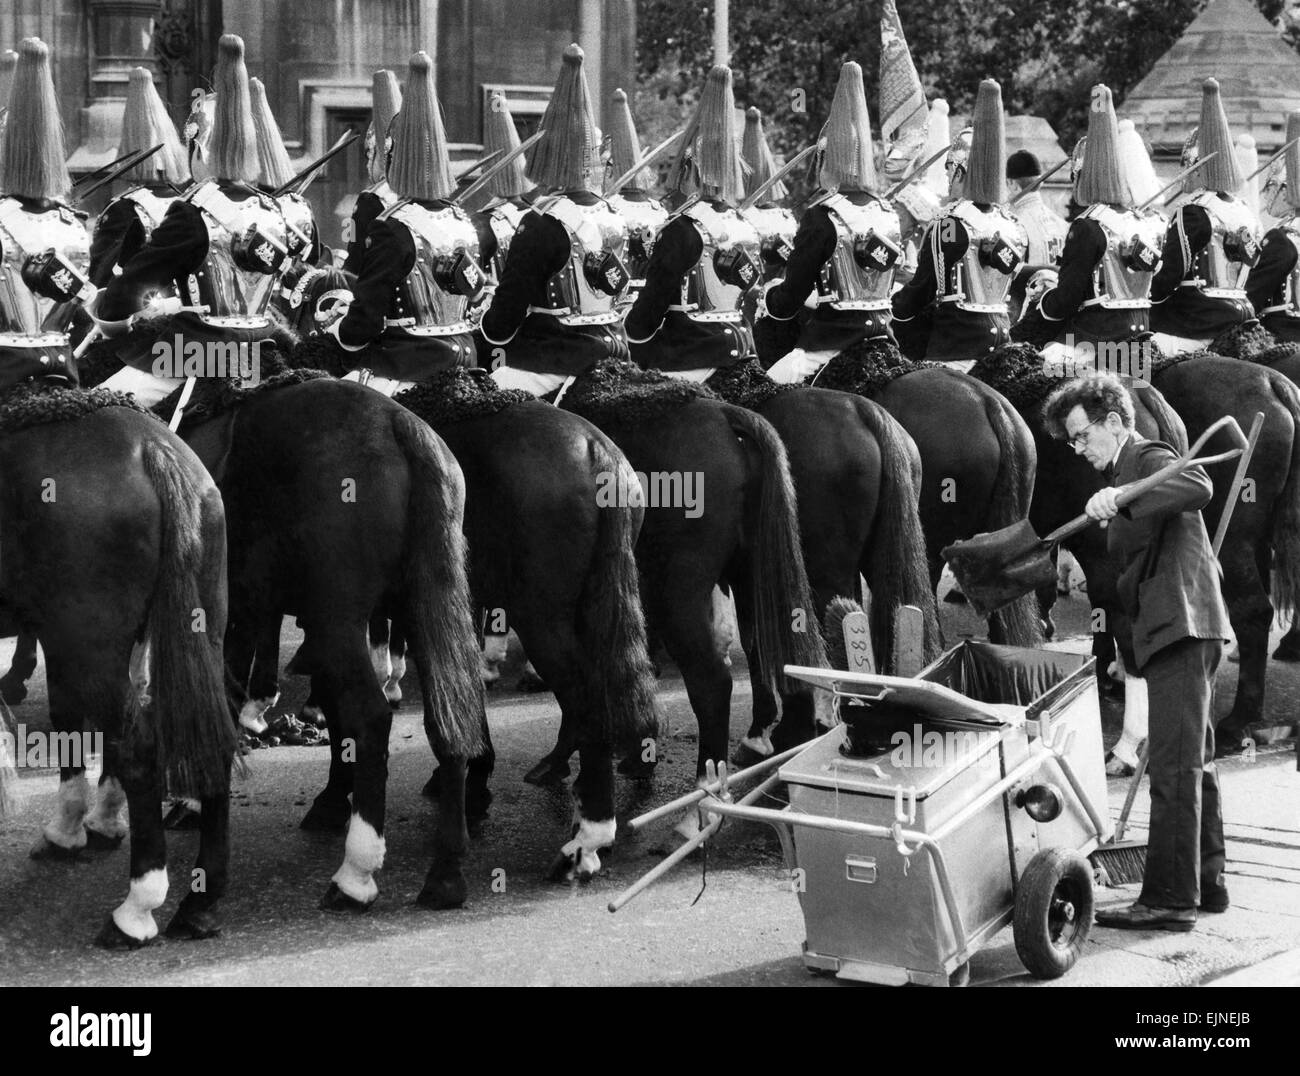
960, 975
1053, 912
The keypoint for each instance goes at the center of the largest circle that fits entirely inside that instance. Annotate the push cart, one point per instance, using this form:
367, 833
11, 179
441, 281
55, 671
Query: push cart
943, 807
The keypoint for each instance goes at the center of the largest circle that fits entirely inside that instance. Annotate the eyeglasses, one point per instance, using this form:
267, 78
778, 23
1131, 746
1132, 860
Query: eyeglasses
1080, 439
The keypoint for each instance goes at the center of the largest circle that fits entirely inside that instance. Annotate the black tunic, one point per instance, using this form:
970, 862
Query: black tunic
1085, 245
825, 329
954, 334
1265, 286
369, 206
666, 339
1181, 311
535, 342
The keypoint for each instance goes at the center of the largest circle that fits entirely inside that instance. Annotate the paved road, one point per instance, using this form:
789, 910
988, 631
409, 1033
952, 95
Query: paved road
746, 928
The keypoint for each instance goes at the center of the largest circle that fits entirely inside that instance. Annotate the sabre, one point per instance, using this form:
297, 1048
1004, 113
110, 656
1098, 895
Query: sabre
752, 198
186, 393
1039, 181
89, 176
1271, 161
1177, 179
894, 190
649, 159
119, 168
303, 179
487, 177
482, 162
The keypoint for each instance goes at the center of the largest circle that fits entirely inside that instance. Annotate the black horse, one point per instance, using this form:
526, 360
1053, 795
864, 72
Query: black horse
113, 556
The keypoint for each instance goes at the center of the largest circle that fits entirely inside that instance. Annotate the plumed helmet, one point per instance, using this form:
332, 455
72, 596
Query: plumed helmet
233, 149
1221, 173
146, 123
501, 134
33, 164
757, 155
849, 159
624, 145
708, 160
988, 148
567, 157
385, 103
1101, 178
420, 166
273, 158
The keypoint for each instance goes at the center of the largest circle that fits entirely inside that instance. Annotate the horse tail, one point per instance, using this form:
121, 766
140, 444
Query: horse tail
611, 622
779, 579
1169, 426
896, 572
833, 629
190, 722
1286, 522
442, 639
1020, 622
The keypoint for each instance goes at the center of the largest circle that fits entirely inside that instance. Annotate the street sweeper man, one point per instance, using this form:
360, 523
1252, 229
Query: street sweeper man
1171, 633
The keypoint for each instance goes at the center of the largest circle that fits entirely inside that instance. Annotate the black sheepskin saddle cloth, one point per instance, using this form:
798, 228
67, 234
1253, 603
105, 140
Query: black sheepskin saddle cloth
35, 404
866, 367
321, 352
1017, 372
459, 395
619, 391
746, 385
214, 396
1254, 343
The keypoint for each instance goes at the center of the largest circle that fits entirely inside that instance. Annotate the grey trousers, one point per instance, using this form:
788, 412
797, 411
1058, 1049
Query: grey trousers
1185, 851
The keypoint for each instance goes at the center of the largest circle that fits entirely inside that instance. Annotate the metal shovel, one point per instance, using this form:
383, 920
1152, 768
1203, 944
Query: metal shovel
995, 569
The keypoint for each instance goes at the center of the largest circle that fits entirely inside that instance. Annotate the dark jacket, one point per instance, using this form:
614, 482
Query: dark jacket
1169, 577
1188, 311
825, 329
1085, 245
665, 339
1265, 285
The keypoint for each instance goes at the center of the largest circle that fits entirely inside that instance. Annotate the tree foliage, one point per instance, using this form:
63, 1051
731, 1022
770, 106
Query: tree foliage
786, 54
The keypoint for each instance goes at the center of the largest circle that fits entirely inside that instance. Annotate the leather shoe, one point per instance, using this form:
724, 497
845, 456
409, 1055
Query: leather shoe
1139, 916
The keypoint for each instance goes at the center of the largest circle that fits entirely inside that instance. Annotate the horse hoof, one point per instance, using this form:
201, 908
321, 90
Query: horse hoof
49, 852
182, 816
564, 868
549, 771
335, 900
196, 925
745, 756
433, 786
440, 894
102, 842
13, 692
115, 938
323, 817
1287, 651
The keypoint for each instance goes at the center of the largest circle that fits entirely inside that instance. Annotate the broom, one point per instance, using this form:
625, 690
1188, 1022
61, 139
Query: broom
1122, 862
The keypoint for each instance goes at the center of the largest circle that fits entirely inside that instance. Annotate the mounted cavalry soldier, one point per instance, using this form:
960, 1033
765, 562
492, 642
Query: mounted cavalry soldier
971, 252
555, 313
1044, 229
688, 321
128, 220
775, 222
214, 262
1110, 256
422, 266
633, 202
44, 248
1273, 286
508, 189
846, 248
275, 170
386, 102
1212, 242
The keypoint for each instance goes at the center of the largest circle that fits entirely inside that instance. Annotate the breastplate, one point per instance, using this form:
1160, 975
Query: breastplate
587, 289
728, 267
776, 228
504, 219
1122, 280
446, 278
301, 222
150, 208
859, 274
981, 278
248, 253
44, 259
644, 219
1221, 268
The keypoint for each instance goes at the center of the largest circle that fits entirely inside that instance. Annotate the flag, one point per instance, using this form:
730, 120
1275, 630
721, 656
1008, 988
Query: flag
903, 114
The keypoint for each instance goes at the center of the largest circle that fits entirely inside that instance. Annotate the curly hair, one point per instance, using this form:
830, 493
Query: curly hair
1097, 394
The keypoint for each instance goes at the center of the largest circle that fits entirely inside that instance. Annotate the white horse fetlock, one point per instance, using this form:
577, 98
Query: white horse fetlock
134, 916
66, 829
363, 854
106, 818
591, 837
393, 689
252, 715
382, 663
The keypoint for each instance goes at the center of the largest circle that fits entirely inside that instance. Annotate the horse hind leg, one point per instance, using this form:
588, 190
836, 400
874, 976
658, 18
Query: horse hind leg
331, 808
105, 826
64, 836
197, 917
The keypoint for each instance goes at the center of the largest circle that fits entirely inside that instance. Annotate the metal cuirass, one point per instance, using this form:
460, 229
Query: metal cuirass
301, 222
776, 228
434, 298
728, 267
504, 219
644, 219
248, 253
1221, 268
150, 208
44, 260
981, 278
595, 276
859, 275
1122, 280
